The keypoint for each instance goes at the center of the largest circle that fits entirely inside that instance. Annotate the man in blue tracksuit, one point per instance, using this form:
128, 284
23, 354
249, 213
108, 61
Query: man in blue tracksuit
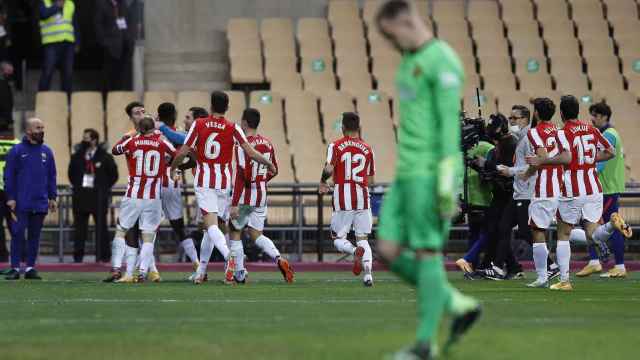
30, 184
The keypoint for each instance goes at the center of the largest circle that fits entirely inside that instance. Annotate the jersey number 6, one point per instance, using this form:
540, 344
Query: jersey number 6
212, 147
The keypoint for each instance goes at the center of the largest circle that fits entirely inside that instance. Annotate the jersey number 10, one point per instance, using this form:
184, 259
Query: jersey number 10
148, 162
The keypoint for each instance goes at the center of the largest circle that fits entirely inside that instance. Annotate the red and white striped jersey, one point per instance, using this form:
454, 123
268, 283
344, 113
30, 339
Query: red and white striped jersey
250, 187
213, 139
148, 157
549, 182
353, 161
584, 141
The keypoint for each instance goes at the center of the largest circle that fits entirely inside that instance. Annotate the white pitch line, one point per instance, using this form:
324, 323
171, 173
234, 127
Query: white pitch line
207, 301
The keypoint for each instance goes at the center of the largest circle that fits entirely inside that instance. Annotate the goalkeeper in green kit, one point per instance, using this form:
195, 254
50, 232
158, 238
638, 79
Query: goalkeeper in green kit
417, 210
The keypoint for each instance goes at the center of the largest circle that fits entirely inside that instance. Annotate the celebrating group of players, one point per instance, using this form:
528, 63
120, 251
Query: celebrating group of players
233, 164
566, 186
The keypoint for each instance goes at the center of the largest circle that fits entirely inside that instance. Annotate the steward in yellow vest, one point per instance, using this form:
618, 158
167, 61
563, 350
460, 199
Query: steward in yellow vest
59, 39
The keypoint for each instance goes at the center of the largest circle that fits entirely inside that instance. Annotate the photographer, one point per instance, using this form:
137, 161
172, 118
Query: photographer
476, 204
502, 191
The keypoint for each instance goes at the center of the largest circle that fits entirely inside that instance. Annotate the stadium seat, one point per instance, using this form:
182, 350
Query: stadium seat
462, 44
452, 28
487, 103
118, 124
316, 47
491, 28
304, 135
557, 29
316, 64
592, 28
246, 69
384, 66
492, 46
346, 65
631, 67
552, 10
444, 10
472, 81
494, 61
586, 10
279, 65
87, 112
628, 46
625, 27
276, 28
312, 28
245, 47
373, 103
534, 83
516, 10
237, 104
189, 99
603, 81
242, 28
570, 62
356, 82
621, 10
52, 108
527, 48
608, 62
507, 99
343, 9
530, 65
574, 83
526, 29
353, 28
369, 10
377, 130
592, 47
286, 83
270, 106
332, 105
559, 47
351, 47
153, 99
319, 82
279, 47
383, 49
485, 10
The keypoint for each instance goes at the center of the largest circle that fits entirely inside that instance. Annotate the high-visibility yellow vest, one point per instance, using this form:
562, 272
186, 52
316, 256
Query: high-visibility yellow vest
5, 146
59, 27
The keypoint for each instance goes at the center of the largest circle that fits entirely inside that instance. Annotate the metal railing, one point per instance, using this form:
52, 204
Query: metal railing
301, 230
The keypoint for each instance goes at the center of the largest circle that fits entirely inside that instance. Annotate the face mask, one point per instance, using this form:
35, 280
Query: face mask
38, 137
514, 129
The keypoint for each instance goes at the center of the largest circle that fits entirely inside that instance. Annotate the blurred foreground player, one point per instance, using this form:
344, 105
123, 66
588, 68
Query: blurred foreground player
416, 213
351, 162
249, 200
146, 155
212, 139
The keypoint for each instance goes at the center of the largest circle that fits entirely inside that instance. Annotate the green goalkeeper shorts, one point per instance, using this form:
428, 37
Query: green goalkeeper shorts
410, 216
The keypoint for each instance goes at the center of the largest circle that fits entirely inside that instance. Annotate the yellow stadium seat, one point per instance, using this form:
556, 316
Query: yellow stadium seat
557, 29
481, 28
534, 83
189, 99
351, 64
586, 10
316, 64
574, 83
286, 83
343, 9
491, 62
373, 103
558, 47
552, 10
332, 105
276, 28
279, 47
498, 79
530, 65
506, 100
237, 104
603, 81
533, 47
52, 108
319, 82
483, 10
492, 46
566, 63
592, 28
316, 47
118, 124
245, 47
246, 69
351, 47
312, 28
517, 10
269, 104
626, 27
242, 28
153, 99
631, 67
526, 29
592, 47
443, 10
487, 103
603, 63
621, 10
280, 65
628, 46
369, 10
356, 82
87, 111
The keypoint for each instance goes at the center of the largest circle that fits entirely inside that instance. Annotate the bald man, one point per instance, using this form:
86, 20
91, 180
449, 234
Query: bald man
30, 184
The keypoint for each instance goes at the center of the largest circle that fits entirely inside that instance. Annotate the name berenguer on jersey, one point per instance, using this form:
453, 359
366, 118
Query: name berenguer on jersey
348, 143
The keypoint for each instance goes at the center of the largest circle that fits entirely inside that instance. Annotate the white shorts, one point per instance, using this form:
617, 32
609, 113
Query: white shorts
252, 216
147, 211
172, 202
214, 201
542, 212
588, 207
343, 221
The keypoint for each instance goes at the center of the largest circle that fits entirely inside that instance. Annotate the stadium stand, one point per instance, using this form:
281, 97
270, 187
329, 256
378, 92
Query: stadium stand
51, 107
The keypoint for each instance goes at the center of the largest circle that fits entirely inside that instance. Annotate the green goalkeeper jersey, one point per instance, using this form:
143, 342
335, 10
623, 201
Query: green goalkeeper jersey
429, 83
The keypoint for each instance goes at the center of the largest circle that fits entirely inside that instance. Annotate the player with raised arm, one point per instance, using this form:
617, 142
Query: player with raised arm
147, 154
350, 161
417, 210
213, 139
249, 200
580, 146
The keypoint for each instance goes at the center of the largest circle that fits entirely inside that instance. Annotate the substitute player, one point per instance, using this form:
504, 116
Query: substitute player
350, 161
249, 200
611, 174
416, 213
171, 195
213, 139
580, 146
147, 155
547, 190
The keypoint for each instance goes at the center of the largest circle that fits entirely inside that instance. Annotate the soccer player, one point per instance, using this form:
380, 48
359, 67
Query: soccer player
212, 139
611, 174
417, 211
126, 248
171, 194
249, 200
547, 190
146, 155
579, 147
350, 160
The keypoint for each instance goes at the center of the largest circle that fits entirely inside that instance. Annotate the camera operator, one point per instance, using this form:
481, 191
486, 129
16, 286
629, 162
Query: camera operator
502, 191
476, 204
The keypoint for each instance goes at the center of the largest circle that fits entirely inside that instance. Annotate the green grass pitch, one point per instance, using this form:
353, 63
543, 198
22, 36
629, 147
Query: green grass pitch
321, 316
